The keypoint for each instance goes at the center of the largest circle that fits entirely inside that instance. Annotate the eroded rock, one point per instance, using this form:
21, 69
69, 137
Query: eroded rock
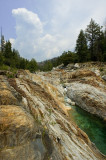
16, 126
34, 123
89, 98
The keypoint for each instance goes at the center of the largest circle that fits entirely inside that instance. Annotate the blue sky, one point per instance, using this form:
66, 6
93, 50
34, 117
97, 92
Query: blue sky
43, 29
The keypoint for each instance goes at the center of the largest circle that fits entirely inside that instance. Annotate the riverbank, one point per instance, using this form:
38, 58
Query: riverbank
93, 126
34, 121
86, 88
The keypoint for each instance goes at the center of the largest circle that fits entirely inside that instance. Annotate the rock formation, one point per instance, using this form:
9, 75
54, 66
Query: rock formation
88, 91
34, 122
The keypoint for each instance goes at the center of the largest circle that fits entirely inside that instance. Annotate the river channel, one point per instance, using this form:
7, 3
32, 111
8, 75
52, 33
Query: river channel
92, 125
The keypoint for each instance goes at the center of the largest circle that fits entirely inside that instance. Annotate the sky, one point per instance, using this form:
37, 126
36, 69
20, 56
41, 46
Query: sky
43, 29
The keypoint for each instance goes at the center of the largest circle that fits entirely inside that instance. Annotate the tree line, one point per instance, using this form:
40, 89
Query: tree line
91, 43
90, 46
11, 58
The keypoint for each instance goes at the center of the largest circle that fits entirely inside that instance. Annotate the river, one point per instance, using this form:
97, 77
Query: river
92, 125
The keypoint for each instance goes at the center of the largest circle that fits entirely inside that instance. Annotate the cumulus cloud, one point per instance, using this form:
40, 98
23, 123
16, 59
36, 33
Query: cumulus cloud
31, 41
58, 32
28, 31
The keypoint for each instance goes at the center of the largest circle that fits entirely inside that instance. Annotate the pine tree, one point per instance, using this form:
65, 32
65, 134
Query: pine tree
8, 50
104, 42
2, 43
7, 53
32, 66
81, 47
93, 34
1, 59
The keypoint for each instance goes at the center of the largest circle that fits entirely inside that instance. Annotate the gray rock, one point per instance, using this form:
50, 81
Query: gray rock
89, 98
76, 66
70, 102
104, 77
37, 128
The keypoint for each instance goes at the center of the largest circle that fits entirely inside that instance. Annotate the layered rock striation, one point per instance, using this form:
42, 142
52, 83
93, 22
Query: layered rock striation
34, 122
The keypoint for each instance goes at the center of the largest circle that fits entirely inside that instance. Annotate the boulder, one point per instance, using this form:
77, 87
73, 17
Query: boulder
104, 77
89, 98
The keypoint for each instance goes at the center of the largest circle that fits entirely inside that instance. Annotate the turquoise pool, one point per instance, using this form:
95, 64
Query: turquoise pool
92, 125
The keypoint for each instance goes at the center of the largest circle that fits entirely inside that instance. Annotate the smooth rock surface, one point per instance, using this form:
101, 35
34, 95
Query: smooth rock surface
104, 77
34, 122
89, 98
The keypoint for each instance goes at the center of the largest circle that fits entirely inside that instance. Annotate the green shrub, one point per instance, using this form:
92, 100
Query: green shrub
101, 69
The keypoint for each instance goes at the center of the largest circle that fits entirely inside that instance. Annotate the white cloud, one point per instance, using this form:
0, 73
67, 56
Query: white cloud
12, 40
58, 32
28, 19
31, 40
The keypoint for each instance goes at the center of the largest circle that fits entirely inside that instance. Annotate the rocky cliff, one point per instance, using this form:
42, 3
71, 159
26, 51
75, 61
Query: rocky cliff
34, 122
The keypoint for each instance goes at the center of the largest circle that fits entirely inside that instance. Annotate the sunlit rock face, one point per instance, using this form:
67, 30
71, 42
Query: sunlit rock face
88, 91
34, 122
83, 85
89, 98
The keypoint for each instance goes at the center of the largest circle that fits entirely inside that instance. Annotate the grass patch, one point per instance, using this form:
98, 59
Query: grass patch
8, 71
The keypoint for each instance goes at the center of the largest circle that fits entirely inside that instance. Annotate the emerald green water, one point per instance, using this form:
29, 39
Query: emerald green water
92, 125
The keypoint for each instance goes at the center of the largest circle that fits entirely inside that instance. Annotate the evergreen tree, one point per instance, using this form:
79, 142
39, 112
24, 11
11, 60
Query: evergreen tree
1, 59
7, 53
15, 59
2, 43
93, 33
32, 66
81, 47
67, 58
47, 66
104, 42
99, 47
23, 63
